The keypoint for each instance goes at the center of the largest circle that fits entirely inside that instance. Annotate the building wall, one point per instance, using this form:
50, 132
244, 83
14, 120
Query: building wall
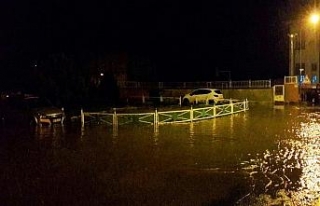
258, 95
305, 51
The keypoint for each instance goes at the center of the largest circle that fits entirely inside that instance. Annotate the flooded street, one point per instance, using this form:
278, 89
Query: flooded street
265, 155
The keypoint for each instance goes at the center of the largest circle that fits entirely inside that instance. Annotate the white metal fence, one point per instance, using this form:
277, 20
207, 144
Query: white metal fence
189, 85
161, 117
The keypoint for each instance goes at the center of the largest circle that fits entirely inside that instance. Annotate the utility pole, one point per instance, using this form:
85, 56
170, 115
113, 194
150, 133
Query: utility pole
291, 56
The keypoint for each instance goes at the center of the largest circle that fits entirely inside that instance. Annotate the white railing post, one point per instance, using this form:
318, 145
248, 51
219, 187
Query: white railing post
244, 105
247, 104
114, 117
191, 114
231, 105
143, 99
180, 101
82, 117
156, 118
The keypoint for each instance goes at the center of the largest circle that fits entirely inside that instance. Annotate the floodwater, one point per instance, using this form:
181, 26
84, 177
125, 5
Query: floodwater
268, 155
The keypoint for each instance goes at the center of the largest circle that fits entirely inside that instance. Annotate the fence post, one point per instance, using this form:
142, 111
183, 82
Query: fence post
114, 117
143, 99
246, 104
180, 101
191, 114
156, 118
82, 117
231, 104
214, 110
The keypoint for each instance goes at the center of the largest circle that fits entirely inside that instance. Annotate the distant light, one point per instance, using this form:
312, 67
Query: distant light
101, 74
314, 18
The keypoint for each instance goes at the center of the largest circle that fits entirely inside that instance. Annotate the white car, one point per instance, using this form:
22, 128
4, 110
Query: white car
203, 95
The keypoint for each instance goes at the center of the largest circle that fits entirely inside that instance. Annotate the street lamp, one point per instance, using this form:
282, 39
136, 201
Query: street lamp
314, 18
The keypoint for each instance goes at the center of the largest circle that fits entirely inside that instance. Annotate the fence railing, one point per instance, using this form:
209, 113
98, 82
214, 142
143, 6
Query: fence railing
162, 117
190, 85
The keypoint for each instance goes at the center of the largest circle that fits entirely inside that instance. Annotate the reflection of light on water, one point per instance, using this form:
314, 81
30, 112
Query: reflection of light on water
293, 166
310, 177
155, 134
214, 128
191, 139
232, 125
114, 133
82, 133
52, 135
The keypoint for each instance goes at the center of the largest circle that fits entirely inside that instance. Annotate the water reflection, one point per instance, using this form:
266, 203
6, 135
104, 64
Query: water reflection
50, 136
191, 137
260, 155
156, 134
309, 133
293, 167
115, 133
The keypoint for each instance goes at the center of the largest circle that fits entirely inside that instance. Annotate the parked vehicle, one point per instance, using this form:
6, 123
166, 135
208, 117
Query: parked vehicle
203, 95
30, 109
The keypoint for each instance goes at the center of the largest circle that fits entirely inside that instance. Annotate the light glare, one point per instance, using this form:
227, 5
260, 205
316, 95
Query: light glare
314, 18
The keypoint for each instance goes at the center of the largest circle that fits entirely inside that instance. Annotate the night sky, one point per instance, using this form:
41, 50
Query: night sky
186, 40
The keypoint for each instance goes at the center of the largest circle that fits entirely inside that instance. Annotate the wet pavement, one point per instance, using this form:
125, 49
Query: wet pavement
233, 160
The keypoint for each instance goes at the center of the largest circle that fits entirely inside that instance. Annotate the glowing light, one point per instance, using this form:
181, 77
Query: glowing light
314, 18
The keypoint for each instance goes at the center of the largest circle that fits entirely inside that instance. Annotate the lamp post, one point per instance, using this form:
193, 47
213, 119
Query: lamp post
291, 61
314, 19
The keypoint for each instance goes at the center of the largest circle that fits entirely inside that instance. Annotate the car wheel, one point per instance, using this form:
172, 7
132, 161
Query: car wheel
212, 102
186, 102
